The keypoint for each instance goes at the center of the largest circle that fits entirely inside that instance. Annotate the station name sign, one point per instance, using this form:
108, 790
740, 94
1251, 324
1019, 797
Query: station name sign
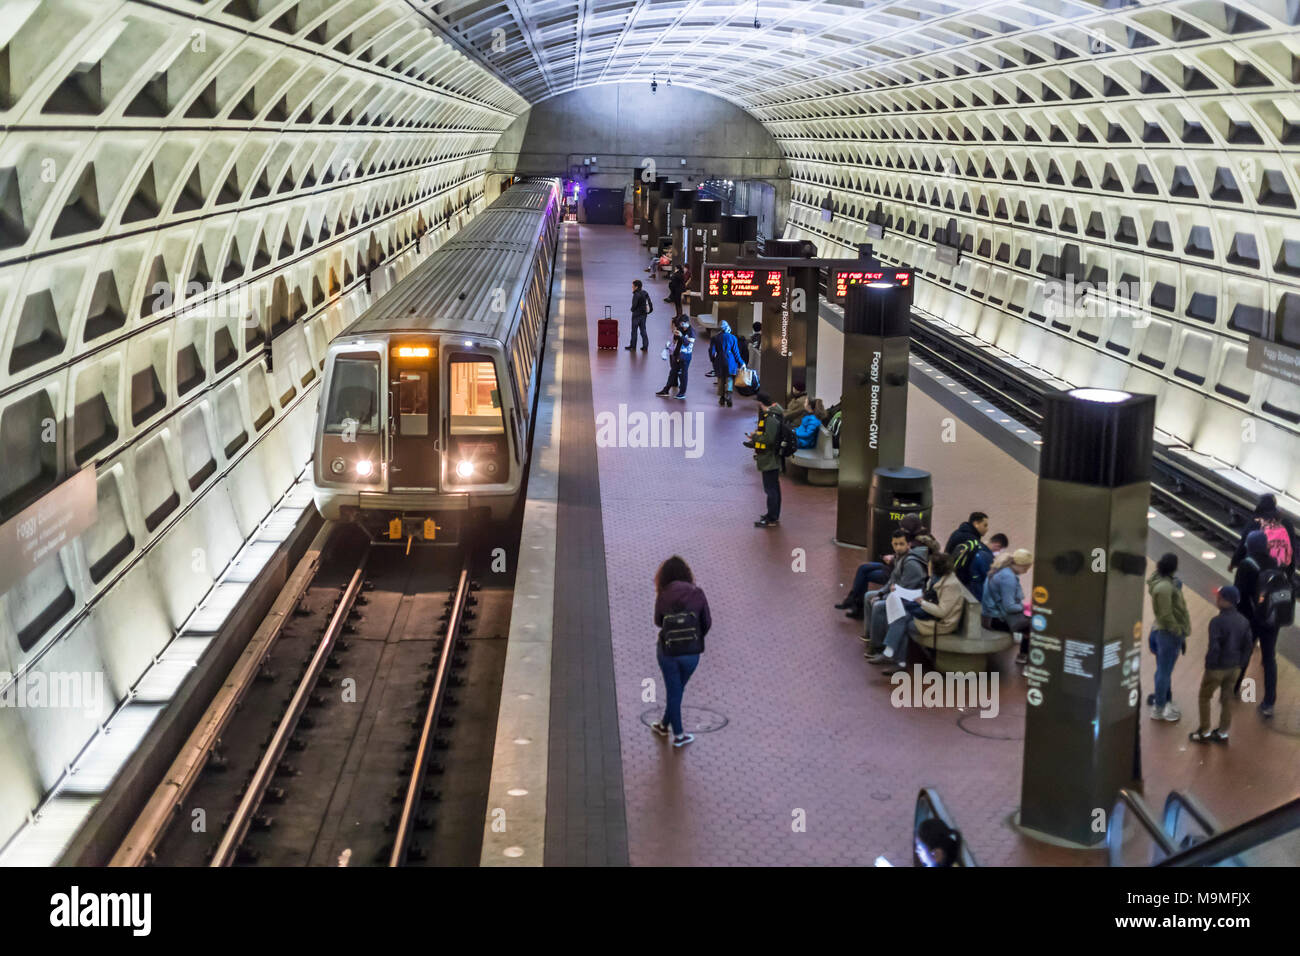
735, 284
841, 279
37, 532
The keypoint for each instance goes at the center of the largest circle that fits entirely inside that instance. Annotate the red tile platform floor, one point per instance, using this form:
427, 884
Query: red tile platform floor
810, 733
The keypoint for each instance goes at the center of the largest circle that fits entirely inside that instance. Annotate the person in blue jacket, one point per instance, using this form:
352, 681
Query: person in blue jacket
1002, 607
725, 355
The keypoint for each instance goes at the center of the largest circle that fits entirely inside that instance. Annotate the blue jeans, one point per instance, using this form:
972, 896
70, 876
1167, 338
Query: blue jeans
677, 671
896, 638
1168, 647
873, 572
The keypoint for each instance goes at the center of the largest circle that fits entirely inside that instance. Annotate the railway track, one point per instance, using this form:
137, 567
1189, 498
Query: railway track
324, 742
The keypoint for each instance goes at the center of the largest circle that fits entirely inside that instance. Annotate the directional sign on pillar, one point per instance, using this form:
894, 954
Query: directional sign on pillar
873, 422
1085, 648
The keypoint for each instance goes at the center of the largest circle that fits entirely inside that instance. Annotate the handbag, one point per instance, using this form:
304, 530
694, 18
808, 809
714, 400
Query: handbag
680, 634
743, 375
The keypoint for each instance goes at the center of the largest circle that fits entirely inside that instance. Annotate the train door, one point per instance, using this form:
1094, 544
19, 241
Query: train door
413, 456
477, 443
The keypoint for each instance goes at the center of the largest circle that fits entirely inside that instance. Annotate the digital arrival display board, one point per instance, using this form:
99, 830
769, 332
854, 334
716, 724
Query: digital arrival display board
841, 279
736, 284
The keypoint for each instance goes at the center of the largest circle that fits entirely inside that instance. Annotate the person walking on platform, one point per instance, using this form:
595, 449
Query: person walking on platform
1003, 606
679, 357
641, 307
725, 356
1168, 634
1255, 569
682, 614
971, 557
1226, 655
764, 440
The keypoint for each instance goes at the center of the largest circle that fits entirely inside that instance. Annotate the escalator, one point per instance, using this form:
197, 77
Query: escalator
1188, 835
1185, 835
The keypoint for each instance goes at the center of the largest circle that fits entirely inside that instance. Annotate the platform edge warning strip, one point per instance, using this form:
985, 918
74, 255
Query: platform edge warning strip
586, 818
514, 830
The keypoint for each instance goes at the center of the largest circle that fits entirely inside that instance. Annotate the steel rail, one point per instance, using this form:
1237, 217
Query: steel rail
138, 846
406, 821
252, 798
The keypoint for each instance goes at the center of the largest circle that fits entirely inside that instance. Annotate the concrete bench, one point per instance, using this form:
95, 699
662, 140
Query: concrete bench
969, 647
821, 463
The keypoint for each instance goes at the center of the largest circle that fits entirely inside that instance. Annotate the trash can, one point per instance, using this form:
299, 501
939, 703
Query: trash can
896, 492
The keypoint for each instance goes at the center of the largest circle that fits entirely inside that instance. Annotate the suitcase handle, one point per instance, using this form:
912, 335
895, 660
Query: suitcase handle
609, 311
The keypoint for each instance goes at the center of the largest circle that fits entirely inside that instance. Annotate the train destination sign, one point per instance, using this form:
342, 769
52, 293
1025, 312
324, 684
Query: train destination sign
737, 284
841, 279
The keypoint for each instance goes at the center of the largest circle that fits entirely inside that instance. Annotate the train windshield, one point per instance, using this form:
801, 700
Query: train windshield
353, 405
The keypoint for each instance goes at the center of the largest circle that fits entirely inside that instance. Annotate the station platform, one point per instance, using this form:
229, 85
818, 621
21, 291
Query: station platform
800, 757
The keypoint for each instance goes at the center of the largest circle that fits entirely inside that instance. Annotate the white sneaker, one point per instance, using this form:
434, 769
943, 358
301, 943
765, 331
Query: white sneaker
1172, 713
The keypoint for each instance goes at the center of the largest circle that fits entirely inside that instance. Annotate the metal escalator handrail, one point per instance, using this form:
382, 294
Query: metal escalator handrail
1246, 836
1178, 801
1129, 800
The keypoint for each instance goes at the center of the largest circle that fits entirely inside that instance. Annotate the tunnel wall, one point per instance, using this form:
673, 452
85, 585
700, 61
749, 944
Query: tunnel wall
1160, 164
187, 191
623, 125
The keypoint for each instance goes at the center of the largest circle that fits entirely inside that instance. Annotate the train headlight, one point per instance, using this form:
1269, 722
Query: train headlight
365, 467
338, 465
464, 468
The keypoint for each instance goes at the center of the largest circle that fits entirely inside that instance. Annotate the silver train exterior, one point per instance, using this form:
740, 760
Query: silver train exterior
424, 417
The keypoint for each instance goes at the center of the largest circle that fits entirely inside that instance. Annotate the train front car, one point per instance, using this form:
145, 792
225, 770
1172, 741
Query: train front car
422, 425
413, 437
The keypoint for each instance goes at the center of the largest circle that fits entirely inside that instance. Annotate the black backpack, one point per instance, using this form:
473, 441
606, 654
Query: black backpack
787, 442
1276, 599
680, 634
962, 556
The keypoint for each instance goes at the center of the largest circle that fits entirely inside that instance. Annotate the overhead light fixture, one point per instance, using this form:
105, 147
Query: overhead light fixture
654, 84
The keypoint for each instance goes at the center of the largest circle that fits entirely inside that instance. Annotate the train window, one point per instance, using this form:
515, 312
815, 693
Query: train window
354, 396
475, 397
413, 402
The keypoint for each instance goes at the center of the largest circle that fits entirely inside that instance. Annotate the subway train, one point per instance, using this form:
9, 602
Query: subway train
423, 422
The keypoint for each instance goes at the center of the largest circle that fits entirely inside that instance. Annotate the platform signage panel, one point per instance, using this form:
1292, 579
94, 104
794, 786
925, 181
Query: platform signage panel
841, 279
736, 284
43, 527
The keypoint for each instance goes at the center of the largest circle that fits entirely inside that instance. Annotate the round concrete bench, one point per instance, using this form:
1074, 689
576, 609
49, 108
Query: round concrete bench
821, 463
969, 647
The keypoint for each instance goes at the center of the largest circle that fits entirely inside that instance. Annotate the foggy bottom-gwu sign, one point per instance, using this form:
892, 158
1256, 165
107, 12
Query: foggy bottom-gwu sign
42, 528
734, 284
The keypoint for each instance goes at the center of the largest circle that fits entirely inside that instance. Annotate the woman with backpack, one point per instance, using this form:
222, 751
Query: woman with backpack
1257, 577
1277, 528
682, 615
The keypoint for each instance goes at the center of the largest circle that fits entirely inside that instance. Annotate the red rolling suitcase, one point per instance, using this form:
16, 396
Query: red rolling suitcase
607, 331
